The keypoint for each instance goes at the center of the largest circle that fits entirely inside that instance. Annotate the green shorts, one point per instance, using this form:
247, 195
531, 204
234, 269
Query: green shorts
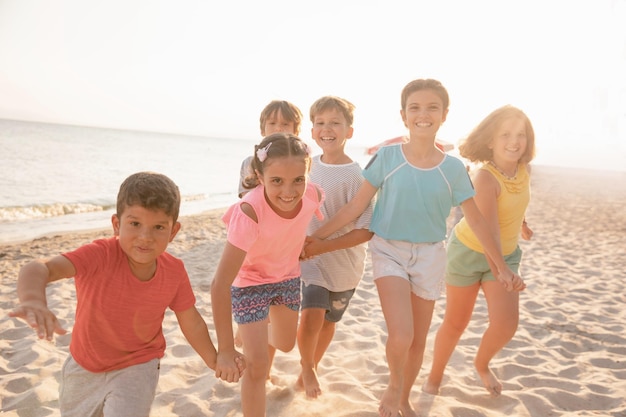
466, 267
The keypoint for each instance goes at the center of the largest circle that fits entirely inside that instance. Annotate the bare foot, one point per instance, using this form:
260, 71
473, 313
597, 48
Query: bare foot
492, 384
430, 388
299, 383
390, 403
310, 383
407, 411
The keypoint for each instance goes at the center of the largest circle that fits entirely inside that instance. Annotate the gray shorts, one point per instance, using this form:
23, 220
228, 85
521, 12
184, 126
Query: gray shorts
335, 303
127, 392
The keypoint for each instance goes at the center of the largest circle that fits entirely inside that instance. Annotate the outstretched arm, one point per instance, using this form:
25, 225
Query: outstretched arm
226, 365
31, 291
196, 332
486, 201
315, 246
349, 212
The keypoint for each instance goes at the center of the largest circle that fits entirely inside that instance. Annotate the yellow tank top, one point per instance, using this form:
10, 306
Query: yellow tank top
512, 203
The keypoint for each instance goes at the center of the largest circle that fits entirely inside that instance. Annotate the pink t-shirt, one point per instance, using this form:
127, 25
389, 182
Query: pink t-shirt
274, 244
118, 317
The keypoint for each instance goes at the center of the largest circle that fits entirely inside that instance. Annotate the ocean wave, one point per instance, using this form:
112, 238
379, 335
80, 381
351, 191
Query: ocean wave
41, 211
193, 197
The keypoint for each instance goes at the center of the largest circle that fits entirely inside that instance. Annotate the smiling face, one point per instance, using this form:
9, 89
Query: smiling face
285, 181
509, 143
331, 131
144, 235
424, 113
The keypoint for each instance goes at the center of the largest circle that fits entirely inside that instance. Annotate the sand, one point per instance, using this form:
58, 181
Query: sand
568, 357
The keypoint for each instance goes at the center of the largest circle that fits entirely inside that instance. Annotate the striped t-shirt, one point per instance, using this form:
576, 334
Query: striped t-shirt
340, 270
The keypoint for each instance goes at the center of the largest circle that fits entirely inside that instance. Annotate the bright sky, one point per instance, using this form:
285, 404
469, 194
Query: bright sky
208, 67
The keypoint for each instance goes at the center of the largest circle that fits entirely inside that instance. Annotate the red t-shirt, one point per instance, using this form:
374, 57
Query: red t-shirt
118, 317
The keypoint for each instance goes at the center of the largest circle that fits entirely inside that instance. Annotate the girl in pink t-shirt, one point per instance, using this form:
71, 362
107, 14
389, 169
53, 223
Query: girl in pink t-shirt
258, 276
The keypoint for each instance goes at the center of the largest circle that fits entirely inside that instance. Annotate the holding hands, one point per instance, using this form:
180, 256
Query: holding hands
230, 366
511, 281
312, 247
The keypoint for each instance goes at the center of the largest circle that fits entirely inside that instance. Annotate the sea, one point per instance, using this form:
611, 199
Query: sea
59, 178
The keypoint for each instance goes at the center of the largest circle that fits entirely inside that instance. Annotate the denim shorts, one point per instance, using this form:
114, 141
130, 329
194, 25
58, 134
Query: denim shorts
422, 264
252, 304
335, 303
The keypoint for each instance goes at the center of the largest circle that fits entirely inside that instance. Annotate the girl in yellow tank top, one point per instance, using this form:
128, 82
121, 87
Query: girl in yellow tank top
504, 142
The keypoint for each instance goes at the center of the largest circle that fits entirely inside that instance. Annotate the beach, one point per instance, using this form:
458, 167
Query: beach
568, 357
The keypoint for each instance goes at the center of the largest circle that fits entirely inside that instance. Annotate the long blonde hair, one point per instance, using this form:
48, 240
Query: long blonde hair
475, 146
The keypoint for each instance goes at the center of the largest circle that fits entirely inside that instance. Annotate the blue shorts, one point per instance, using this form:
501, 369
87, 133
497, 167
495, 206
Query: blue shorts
252, 304
466, 267
335, 303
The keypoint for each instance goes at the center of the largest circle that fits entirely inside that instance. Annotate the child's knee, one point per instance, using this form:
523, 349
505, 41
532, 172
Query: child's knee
257, 369
457, 326
286, 345
400, 340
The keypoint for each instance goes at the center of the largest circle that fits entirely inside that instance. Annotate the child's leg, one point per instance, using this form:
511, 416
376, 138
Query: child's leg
503, 307
325, 337
126, 392
255, 348
271, 352
132, 390
422, 312
283, 328
338, 304
80, 391
395, 300
459, 306
309, 332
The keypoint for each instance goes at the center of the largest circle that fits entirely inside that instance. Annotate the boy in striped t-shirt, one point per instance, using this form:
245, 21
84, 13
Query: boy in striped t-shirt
330, 279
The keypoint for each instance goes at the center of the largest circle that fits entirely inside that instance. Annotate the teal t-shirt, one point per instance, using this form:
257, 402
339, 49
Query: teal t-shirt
413, 203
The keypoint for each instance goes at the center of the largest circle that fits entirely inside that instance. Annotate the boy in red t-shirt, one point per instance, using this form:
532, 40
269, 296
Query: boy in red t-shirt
123, 286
